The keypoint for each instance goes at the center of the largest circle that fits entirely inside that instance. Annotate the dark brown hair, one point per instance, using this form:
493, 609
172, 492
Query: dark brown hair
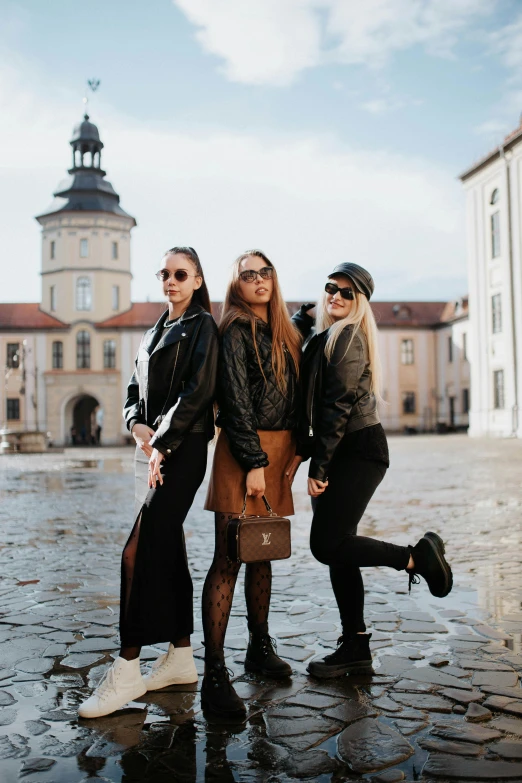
201, 295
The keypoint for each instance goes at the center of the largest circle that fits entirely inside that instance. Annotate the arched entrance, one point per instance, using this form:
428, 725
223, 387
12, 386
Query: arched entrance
79, 418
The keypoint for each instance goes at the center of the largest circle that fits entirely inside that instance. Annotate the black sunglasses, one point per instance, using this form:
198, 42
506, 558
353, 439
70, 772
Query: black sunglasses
249, 275
346, 293
180, 275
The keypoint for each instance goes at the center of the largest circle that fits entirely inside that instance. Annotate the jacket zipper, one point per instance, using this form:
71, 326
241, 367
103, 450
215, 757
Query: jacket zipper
310, 428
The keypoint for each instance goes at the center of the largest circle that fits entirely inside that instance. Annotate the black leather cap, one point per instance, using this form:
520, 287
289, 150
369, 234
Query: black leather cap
361, 277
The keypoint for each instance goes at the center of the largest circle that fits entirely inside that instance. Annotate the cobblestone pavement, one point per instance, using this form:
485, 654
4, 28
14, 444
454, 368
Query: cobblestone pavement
444, 703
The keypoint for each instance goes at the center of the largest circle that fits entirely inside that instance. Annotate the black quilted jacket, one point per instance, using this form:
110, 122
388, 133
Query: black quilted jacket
246, 402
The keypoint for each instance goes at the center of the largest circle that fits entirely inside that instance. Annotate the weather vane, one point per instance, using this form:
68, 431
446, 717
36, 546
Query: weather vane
92, 85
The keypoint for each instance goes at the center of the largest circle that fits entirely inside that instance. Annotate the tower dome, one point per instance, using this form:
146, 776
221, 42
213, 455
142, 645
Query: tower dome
86, 188
85, 131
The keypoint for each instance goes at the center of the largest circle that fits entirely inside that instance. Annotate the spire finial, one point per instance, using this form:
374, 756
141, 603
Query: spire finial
92, 85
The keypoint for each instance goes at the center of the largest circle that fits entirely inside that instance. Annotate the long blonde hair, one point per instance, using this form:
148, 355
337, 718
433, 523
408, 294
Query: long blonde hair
361, 317
284, 333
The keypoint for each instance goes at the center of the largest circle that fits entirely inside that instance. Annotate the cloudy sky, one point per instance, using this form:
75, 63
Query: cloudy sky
318, 130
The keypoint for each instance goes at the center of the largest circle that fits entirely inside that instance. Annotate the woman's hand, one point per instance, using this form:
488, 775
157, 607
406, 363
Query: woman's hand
156, 458
316, 487
255, 482
292, 470
142, 435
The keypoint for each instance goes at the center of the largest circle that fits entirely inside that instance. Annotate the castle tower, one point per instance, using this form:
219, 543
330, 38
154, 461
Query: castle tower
86, 272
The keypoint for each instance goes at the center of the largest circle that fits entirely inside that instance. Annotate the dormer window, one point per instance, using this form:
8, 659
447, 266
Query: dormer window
401, 312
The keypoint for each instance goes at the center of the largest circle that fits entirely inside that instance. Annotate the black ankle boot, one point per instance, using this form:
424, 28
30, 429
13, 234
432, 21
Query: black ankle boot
261, 657
352, 656
217, 692
430, 563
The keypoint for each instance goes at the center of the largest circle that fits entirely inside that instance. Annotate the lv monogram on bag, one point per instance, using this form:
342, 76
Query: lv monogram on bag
253, 539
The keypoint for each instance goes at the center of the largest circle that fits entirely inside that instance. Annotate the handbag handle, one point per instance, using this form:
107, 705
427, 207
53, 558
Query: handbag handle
265, 501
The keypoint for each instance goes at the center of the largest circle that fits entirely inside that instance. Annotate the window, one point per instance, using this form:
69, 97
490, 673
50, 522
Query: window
408, 402
465, 400
495, 234
115, 297
498, 389
84, 248
465, 346
52, 249
13, 354
496, 313
495, 196
109, 355
114, 250
57, 355
450, 348
13, 409
83, 350
52, 297
407, 352
83, 294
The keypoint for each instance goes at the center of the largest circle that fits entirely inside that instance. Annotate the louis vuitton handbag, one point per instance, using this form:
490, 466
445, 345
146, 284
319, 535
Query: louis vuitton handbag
252, 539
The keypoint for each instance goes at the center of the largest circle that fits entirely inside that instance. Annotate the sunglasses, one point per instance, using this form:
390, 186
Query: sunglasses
180, 275
249, 275
346, 293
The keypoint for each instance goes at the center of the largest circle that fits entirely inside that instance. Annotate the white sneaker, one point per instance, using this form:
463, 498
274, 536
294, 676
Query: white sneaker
175, 667
122, 683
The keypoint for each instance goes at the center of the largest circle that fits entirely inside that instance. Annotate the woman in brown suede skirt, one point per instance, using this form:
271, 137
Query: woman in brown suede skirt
257, 382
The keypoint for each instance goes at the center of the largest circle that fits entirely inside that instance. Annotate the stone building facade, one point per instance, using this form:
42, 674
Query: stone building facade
493, 188
74, 352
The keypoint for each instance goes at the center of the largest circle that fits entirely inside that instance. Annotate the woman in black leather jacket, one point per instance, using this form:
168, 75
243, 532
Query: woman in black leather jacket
169, 412
340, 431
259, 356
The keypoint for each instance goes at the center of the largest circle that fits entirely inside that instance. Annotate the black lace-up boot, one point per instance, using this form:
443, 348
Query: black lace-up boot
217, 692
261, 657
352, 656
430, 563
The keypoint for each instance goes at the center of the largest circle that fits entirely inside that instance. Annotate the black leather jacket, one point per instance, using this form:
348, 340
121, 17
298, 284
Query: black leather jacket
246, 402
175, 378
336, 396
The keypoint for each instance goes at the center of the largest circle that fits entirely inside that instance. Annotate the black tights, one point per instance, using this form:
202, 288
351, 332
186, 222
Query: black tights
218, 592
334, 540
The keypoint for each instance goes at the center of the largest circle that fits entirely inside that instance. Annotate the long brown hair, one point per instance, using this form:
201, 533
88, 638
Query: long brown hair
201, 295
284, 333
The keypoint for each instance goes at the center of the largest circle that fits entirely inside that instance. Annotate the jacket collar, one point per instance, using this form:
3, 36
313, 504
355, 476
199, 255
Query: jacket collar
175, 332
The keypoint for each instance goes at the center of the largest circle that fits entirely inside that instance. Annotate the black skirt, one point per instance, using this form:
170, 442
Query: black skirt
159, 605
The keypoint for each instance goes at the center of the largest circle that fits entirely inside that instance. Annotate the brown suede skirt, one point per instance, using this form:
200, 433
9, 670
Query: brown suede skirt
227, 486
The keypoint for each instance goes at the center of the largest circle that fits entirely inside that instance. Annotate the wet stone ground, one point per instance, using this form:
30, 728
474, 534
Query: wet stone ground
444, 703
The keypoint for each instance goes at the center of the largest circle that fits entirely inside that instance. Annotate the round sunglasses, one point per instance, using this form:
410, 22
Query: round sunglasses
180, 275
346, 293
249, 275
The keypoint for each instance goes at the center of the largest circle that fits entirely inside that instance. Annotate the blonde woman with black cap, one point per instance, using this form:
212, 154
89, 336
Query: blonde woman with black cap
341, 432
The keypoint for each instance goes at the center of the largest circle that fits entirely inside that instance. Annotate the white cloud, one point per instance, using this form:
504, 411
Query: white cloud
273, 41
307, 200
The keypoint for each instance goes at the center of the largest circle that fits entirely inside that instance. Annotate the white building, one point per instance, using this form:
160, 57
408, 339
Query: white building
493, 188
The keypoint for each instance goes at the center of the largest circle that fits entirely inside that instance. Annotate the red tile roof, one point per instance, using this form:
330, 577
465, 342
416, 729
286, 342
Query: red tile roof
26, 315
143, 315
402, 314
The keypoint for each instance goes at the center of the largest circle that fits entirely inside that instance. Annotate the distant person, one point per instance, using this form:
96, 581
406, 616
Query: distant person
83, 434
99, 423
74, 436
341, 432
169, 410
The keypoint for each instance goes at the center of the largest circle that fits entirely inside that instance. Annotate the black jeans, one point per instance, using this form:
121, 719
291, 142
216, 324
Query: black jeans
334, 540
